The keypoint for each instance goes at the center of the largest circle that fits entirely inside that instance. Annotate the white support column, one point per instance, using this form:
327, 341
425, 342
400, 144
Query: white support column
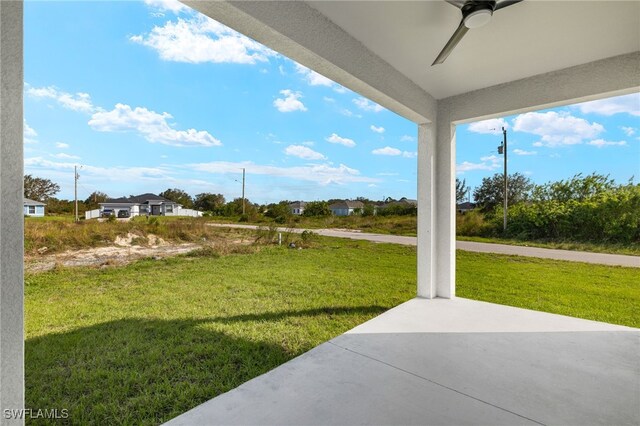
445, 208
426, 210
11, 212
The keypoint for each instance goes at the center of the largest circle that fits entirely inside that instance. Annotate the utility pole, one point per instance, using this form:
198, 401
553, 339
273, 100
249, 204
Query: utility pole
503, 150
75, 190
243, 208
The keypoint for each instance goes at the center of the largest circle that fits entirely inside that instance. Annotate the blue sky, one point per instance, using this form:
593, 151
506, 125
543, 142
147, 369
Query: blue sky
150, 95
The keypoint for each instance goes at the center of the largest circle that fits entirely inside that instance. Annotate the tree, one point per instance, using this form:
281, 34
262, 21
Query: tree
577, 188
179, 196
39, 189
490, 193
461, 190
208, 202
234, 208
317, 208
279, 212
93, 200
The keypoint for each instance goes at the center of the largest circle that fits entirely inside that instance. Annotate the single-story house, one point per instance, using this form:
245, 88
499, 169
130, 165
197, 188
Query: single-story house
403, 203
33, 208
465, 207
346, 208
297, 207
140, 205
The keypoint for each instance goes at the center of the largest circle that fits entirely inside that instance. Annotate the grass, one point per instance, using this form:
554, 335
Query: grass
632, 249
143, 343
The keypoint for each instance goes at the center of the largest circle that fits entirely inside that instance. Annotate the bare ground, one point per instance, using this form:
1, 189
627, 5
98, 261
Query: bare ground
123, 251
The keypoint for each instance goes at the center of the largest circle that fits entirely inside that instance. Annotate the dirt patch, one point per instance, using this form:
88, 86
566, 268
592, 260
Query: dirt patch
116, 255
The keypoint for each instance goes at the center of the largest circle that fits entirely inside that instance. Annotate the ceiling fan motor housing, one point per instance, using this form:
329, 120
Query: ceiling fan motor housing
475, 14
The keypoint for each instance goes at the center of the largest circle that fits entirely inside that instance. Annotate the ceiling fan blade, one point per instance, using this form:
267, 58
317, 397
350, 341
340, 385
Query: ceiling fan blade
456, 3
451, 44
505, 3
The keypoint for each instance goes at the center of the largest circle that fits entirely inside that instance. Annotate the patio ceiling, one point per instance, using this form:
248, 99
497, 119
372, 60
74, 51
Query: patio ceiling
384, 49
526, 39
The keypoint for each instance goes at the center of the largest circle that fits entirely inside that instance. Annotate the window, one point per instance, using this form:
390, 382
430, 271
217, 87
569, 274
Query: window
169, 208
32, 209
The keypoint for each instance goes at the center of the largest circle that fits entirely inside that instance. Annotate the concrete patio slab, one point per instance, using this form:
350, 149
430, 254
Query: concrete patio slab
448, 362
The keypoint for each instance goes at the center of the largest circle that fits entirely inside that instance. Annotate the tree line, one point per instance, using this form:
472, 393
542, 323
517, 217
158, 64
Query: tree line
582, 208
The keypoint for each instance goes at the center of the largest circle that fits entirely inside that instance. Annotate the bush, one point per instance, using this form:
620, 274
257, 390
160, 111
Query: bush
473, 224
317, 208
612, 215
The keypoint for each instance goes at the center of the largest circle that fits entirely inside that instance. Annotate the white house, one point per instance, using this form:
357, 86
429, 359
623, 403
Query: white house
346, 208
33, 208
144, 205
297, 207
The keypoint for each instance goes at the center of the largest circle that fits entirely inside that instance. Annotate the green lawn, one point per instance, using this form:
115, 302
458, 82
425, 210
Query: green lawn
143, 343
631, 249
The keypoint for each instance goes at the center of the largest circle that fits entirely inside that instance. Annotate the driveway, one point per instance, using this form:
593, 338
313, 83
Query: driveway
568, 255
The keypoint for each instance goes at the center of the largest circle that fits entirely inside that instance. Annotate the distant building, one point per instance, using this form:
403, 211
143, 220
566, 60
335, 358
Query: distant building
297, 207
404, 204
33, 208
346, 208
465, 207
143, 205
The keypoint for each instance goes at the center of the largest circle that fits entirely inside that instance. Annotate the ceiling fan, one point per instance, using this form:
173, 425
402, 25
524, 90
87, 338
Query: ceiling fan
475, 14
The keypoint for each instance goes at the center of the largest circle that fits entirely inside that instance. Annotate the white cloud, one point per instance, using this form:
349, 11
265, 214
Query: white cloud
334, 138
323, 174
166, 5
80, 102
387, 174
366, 105
394, 152
340, 89
290, 102
493, 126
328, 99
519, 151
303, 152
62, 145
151, 125
348, 113
490, 163
377, 129
201, 39
556, 129
28, 133
387, 150
629, 131
120, 174
308, 143
282, 70
629, 104
65, 156
407, 138
312, 77
600, 143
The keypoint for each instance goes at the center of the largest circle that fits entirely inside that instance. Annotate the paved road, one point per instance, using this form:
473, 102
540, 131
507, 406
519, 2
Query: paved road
572, 256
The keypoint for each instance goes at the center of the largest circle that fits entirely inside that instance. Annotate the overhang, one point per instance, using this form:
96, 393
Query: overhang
384, 49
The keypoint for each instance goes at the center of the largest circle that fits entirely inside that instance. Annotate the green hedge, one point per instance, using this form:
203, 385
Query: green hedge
609, 216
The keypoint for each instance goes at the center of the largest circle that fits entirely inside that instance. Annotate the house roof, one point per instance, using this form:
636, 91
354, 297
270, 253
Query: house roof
347, 204
28, 202
138, 199
297, 204
466, 206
